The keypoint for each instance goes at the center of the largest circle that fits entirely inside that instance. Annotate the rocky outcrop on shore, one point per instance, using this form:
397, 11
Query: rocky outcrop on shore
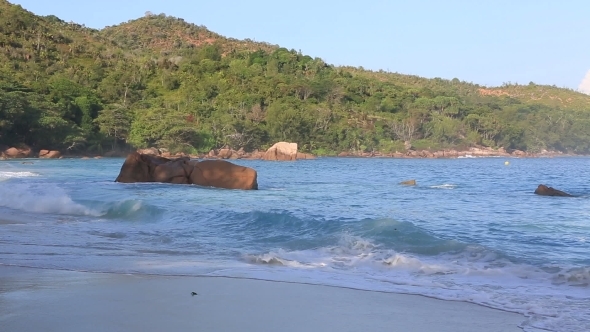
49, 154
22, 151
473, 152
284, 151
281, 151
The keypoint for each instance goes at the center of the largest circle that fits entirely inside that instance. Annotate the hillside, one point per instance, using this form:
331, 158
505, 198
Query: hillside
160, 81
162, 34
541, 94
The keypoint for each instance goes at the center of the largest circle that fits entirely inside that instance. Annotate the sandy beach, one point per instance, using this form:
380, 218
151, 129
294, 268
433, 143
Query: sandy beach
49, 300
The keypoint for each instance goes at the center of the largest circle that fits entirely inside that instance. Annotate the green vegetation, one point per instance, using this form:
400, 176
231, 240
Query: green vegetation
159, 81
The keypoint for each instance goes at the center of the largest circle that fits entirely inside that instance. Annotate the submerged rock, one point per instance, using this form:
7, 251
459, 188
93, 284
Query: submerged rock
408, 183
214, 173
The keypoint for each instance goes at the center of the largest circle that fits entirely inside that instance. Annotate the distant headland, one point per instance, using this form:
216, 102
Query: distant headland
159, 81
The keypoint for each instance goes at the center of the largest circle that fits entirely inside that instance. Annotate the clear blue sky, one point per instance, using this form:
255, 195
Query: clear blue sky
485, 42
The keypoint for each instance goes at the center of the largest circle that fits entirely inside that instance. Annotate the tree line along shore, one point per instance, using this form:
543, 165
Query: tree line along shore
288, 153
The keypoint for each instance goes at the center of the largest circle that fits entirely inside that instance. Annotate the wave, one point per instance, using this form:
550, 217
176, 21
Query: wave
5, 175
41, 198
444, 186
131, 209
51, 199
352, 252
549, 298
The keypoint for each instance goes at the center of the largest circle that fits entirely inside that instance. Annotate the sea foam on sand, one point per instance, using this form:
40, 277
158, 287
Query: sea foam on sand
49, 300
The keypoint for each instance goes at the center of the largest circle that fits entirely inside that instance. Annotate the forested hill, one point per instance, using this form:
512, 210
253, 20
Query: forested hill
160, 81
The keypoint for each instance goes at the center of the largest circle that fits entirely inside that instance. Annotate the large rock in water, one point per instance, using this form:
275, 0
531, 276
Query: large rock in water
543, 190
223, 174
281, 151
215, 173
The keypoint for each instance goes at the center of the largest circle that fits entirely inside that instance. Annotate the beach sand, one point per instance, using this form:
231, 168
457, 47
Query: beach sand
50, 300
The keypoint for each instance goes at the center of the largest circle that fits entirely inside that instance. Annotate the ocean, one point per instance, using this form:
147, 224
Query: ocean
470, 230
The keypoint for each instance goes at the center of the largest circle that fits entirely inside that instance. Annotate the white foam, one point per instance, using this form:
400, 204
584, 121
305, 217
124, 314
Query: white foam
444, 186
4, 175
46, 198
550, 300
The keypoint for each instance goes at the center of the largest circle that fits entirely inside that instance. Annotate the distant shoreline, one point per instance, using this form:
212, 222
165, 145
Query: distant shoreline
474, 152
204, 157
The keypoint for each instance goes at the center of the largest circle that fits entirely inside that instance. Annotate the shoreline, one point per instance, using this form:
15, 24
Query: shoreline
61, 300
230, 154
419, 155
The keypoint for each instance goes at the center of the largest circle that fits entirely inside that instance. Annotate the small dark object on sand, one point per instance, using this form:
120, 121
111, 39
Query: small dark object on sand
194, 293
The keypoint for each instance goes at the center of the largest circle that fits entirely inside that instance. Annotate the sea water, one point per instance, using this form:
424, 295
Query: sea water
470, 230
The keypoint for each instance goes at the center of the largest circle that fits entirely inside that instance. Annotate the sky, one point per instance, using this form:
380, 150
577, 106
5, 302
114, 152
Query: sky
485, 42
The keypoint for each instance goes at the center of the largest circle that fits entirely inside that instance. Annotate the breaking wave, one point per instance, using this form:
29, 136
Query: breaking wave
51, 199
5, 175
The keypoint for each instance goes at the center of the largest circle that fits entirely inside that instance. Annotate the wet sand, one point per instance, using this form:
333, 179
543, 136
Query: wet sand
49, 300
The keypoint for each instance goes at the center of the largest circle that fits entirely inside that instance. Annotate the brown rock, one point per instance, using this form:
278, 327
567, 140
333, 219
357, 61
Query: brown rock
544, 190
301, 155
171, 171
343, 154
223, 174
257, 154
451, 153
49, 154
224, 153
150, 151
439, 154
53, 154
180, 155
253, 155
215, 173
427, 154
136, 168
22, 152
282, 151
408, 183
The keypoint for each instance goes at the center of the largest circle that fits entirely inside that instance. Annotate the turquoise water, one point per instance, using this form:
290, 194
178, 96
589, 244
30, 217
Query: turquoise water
471, 230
